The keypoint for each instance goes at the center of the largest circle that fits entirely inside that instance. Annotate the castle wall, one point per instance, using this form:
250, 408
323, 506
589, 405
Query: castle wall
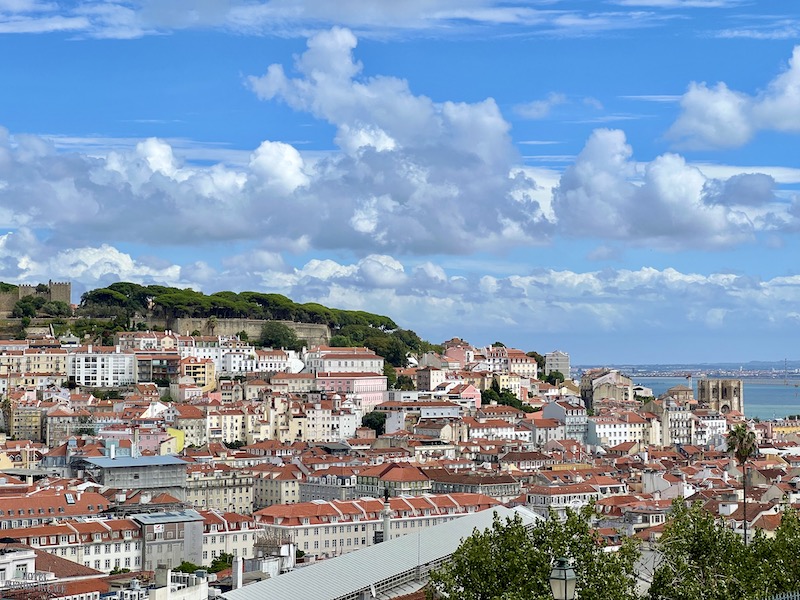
7, 301
313, 333
56, 291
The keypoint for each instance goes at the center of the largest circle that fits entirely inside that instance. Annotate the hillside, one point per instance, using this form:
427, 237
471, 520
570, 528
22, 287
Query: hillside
124, 302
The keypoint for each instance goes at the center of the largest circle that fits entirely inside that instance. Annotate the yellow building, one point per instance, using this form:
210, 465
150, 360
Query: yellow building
202, 370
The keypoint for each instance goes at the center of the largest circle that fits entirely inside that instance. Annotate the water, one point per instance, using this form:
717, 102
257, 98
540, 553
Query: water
764, 399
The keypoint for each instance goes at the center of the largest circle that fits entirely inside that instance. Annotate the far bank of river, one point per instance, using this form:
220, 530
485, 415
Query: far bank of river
764, 398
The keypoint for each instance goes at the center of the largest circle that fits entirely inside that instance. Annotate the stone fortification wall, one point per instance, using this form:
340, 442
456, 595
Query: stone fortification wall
56, 291
313, 333
7, 301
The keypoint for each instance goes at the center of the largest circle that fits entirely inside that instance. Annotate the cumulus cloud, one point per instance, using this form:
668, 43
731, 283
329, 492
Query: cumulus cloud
440, 302
666, 203
411, 170
540, 304
718, 117
23, 258
410, 176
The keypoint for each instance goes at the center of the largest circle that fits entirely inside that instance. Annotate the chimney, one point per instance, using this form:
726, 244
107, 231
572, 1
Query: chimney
237, 572
162, 576
112, 451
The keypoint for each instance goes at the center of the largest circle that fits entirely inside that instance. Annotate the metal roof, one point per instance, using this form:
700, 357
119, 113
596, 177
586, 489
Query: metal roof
139, 461
336, 577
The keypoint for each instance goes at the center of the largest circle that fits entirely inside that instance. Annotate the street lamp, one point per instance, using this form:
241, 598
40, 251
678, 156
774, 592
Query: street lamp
562, 580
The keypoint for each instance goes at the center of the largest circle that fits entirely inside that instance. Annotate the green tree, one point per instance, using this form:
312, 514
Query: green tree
742, 445
555, 378
782, 556
405, 383
279, 335
375, 420
702, 559
540, 360
56, 308
508, 562
391, 375
499, 562
221, 562
187, 567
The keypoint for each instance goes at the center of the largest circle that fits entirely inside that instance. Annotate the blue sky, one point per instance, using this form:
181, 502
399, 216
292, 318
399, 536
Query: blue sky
617, 179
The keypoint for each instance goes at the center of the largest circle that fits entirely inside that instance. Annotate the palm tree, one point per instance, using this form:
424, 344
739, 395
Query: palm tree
742, 445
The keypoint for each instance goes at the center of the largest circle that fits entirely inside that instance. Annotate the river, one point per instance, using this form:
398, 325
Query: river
764, 398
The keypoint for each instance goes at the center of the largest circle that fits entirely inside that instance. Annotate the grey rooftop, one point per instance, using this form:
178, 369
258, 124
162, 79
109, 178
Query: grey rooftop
139, 461
361, 570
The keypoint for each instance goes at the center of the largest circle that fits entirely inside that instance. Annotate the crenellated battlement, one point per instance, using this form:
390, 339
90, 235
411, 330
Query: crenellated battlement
52, 291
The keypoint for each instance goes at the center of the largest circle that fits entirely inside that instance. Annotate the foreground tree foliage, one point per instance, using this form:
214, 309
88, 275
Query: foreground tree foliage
697, 558
506, 562
704, 560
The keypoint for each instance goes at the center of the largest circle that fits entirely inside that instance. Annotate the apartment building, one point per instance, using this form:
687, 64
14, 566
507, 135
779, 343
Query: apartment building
169, 538
398, 478
557, 361
365, 390
328, 359
101, 367
559, 498
227, 533
201, 370
327, 529
276, 484
99, 544
333, 483
219, 487
43, 506
572, 415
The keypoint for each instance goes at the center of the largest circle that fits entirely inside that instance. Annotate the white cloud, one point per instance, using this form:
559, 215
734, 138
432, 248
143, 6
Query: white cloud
438, 303
680, 3
539, 109
279, 166
126, 20
23, 258
411, 177
666, 203
411, 169
764, 27
718, 117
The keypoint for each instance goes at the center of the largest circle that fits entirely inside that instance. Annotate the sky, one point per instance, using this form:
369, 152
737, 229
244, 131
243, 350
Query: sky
616, 179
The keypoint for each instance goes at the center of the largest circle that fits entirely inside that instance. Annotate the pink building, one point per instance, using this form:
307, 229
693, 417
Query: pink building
366, 388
